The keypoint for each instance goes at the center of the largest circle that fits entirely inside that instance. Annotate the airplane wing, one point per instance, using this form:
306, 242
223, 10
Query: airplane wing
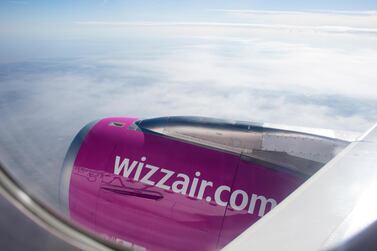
332, 208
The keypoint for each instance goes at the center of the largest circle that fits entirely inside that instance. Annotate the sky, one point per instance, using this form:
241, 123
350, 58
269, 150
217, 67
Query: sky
66, 63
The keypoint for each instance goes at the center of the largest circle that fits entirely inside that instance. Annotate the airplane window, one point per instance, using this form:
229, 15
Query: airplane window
178, 125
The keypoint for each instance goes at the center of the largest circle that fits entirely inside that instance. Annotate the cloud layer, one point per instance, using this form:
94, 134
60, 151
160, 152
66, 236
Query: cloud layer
283, 71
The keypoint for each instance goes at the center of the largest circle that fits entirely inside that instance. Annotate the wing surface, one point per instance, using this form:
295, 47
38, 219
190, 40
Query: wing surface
331, 208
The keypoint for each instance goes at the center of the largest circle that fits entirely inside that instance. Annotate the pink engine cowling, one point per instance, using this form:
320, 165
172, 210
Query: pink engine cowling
158, 193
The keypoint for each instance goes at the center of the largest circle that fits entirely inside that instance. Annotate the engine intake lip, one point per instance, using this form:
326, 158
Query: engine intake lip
69, 160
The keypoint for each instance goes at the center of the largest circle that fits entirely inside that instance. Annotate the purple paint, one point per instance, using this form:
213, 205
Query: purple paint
148, 213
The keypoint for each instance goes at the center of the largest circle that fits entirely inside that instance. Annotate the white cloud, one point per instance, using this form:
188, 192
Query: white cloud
261, 26
329, 21
229, 69
365, 19
307, 12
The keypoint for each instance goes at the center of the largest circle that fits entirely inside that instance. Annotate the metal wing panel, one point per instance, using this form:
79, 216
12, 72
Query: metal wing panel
294, 151
328, 133
332, 206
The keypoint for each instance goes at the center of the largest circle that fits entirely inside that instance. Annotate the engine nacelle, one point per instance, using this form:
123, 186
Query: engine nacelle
159, 192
